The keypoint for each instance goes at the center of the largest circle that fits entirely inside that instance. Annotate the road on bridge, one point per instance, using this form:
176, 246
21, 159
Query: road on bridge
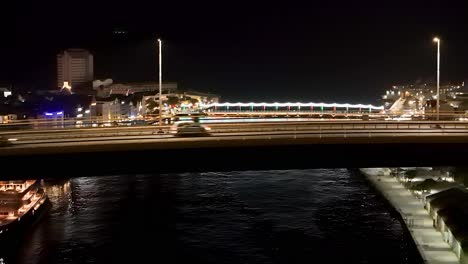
267, 133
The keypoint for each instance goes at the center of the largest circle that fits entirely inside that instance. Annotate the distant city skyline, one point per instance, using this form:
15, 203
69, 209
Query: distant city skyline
262, 53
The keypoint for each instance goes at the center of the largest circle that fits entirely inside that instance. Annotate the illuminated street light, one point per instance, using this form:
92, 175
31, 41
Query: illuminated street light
438, 74
160, 83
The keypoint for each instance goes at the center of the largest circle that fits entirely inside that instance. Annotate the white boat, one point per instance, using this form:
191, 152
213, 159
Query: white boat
21, 204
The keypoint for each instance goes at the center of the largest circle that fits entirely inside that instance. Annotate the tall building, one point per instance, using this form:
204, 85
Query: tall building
74, 67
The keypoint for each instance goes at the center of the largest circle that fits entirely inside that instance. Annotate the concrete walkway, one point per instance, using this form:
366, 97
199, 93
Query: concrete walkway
429, 241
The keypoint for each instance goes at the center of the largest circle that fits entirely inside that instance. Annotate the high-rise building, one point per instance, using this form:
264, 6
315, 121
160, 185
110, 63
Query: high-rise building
74, 67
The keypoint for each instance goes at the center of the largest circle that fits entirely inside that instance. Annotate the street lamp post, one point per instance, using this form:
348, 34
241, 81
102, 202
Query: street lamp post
438, 74
160, 83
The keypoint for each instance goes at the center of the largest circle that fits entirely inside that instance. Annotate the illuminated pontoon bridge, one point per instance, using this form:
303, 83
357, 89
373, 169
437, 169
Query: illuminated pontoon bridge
287, 107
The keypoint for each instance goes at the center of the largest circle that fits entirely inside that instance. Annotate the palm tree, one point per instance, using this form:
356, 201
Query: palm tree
151, 105
173, 100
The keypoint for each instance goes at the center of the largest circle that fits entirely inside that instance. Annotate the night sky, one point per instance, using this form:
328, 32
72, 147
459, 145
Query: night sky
247, 51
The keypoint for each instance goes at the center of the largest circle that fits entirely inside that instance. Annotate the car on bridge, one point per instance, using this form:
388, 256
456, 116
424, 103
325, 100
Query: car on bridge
189, 129
4, 142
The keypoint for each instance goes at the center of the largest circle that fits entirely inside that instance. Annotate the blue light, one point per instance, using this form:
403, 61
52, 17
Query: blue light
54, 113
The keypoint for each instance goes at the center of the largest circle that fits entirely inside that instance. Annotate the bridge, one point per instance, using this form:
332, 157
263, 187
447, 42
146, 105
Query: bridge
287, 109
315, 110
238, 146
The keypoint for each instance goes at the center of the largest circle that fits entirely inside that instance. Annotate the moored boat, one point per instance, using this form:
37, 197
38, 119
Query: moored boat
21, 204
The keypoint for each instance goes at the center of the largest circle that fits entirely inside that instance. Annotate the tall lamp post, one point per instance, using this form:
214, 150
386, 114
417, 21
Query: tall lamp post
160, 83
438, 74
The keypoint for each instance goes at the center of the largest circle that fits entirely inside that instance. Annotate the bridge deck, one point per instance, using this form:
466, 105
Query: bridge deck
232, 153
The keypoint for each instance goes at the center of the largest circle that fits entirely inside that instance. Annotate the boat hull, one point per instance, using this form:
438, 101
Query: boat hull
11, 233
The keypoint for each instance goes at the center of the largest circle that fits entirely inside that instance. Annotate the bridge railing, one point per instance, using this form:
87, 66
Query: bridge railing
349, 124
345, 131
297, 128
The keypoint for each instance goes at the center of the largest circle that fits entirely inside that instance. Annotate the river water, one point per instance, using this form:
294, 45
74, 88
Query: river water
291, 216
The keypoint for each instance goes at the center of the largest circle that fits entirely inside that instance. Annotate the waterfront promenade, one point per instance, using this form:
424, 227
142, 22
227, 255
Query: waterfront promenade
428, 240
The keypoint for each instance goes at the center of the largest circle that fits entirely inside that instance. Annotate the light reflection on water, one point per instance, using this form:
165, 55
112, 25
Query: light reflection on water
292, 216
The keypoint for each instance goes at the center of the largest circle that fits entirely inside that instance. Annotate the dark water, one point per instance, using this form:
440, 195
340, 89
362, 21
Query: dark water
294, 216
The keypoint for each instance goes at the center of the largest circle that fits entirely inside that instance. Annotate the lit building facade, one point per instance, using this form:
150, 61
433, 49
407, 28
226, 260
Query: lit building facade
108, 88
74, 67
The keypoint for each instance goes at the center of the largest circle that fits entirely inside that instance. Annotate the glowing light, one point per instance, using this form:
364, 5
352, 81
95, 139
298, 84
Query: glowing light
436, 39
66, 85
93, 104
79, 115
87, 111
59, 113
80, 109
49, 114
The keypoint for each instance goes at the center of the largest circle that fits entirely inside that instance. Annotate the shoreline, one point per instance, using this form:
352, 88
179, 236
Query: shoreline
415, 218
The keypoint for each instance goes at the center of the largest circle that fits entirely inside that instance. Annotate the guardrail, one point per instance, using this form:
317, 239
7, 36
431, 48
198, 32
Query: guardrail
337, 112
276, 125
346, 129
350, 125
91, 122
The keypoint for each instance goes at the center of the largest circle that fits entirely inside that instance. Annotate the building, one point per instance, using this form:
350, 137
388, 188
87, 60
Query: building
449, 212
74, 68
107, 88
202, 98
173, 102
108, 109
53, 120
5, 119
5, 92
421, 98
113, 108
